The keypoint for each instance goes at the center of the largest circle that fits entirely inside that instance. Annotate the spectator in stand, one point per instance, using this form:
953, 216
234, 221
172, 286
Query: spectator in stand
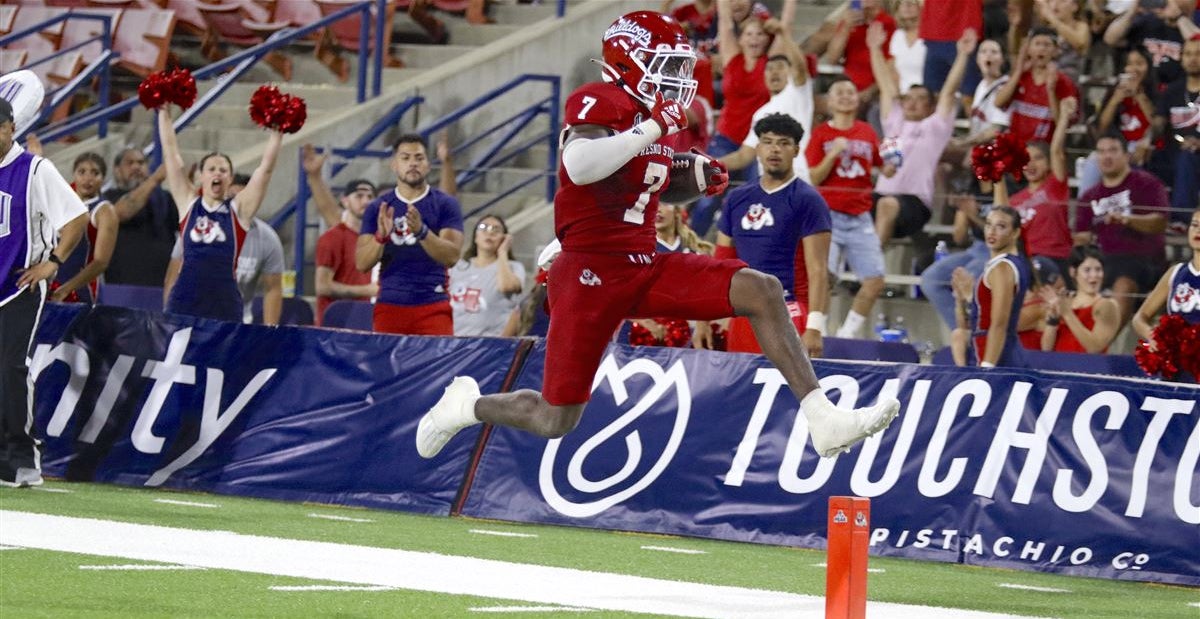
1033, 105
943, 23
1125, 214
903, 201
696, 18
906, 47
414, 233
149, 222
1043, 273
709, 43
849, 45
82, 270
780, 225
1085, 321
1074, 36
1044, 202
1178, 290
987, 120
487, 284
968, 229
991, 306
1157, 26
1176, 158
336, 276
1131, 106
214, 226
841, 155
791, 89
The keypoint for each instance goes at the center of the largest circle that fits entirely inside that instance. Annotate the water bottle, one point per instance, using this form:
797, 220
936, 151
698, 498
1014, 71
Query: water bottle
941, 251
881, 325
896, 333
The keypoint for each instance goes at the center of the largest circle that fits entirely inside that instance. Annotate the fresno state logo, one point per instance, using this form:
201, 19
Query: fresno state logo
401, 235
206, 231
1184, 299
637, 35
757, 218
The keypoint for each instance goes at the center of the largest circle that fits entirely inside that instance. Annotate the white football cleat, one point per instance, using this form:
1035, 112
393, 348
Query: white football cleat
453, 412
834, 430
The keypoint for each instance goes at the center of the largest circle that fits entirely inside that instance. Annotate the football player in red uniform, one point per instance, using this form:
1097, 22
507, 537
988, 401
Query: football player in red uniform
616, 159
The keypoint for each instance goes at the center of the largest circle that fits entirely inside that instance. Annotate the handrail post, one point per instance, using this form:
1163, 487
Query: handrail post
381, 12
552, 158
301, 205
363, 33
105, 74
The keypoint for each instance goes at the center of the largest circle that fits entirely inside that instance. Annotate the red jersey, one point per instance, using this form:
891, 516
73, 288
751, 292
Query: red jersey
1133, 121
1044, 218
745, 92
857, 61
614, 215
945, 20
1031, 118
1067, 342
335, 250
847, 188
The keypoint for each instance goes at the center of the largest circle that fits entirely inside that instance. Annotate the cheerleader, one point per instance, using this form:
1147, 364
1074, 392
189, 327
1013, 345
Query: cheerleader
82, 271
1178, 289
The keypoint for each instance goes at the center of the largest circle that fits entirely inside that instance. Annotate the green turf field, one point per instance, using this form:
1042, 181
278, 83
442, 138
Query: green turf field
44, 583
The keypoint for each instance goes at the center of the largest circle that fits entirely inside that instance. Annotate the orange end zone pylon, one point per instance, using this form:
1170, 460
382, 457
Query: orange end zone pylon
846, 572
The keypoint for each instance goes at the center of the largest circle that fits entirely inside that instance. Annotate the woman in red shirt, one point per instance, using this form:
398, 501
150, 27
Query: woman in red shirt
1130, 106
1085, 321
742, 54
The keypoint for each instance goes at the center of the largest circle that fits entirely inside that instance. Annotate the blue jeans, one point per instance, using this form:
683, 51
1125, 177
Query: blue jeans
935, 280
939, 57
701, 215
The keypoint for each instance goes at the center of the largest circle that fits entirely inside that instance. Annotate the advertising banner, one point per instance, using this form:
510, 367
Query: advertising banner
295, 413
1023, 469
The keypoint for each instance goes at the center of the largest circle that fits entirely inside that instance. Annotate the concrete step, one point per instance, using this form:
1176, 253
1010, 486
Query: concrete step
501, 179
418, 56
464, 33
521, 14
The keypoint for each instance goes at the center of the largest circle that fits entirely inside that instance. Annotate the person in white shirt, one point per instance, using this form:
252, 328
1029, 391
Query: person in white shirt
36, 207
791, 91
906, 46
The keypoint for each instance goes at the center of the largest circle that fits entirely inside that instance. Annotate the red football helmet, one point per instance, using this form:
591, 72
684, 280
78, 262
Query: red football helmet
648, 53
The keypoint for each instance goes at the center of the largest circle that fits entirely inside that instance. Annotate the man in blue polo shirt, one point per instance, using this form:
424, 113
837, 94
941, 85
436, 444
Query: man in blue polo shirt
780, 226
414, 233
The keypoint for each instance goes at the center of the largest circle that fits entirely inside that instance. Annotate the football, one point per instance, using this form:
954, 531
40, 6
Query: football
689, 178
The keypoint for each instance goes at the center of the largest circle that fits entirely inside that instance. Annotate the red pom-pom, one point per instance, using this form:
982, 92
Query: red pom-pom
1004, 155
272, 109
151, 92
181, 88
1176, 347
678, 334
641, 336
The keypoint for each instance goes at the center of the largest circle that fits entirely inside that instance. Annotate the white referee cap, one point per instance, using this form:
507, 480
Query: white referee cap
24, 91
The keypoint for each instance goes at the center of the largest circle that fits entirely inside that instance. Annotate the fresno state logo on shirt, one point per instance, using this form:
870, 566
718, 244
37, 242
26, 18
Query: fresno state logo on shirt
469, 299
757, 218
401, 234
206, 231
1119, 203
1184, 299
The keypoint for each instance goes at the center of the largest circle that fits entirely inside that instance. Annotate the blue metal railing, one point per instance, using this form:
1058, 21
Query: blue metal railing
509, 129
98, 67
241, 61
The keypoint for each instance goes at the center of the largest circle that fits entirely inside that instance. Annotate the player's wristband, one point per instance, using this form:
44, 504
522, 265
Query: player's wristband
816, 321
381, 239
55, 259
423, 233
987, 364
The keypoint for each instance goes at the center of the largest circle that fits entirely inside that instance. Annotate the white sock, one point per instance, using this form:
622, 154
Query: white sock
815, 400
852, 325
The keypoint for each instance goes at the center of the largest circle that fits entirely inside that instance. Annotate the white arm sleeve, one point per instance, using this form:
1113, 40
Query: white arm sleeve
588, 160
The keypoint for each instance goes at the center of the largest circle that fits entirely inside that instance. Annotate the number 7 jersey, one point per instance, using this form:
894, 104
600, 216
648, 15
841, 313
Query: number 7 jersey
614, 215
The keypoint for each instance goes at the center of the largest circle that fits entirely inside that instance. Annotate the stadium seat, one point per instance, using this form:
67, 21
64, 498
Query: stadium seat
135, 297
187, 16
45, 42
345, 33
244, 24
77, 31
295, 311
144, 40
347, 314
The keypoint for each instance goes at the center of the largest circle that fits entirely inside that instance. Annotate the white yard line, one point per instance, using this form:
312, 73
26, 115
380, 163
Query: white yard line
10, 548
54, 490
682, 551
140, 567
331, 588
424, 571
339, 518
530, 609
500, 533
1009, 585
185, 503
